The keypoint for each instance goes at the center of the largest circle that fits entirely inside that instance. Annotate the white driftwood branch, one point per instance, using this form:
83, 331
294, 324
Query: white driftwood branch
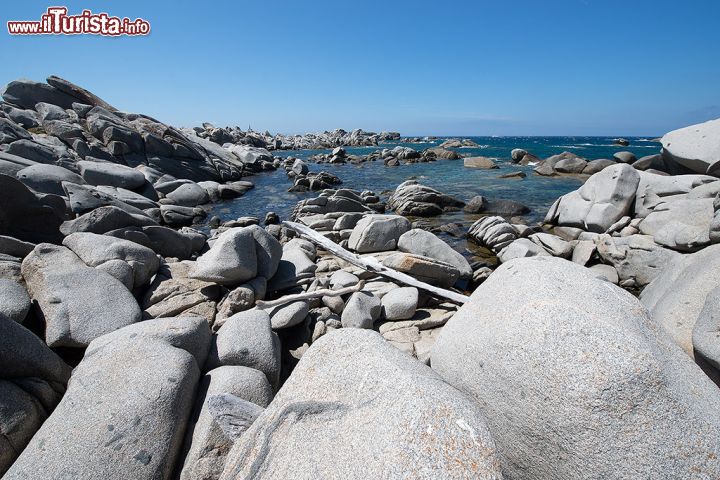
371, 264
326, 292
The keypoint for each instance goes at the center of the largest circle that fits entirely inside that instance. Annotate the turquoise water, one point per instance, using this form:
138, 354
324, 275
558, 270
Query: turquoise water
448, 176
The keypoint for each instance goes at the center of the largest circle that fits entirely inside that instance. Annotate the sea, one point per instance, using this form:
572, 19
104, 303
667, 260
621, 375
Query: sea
448, 176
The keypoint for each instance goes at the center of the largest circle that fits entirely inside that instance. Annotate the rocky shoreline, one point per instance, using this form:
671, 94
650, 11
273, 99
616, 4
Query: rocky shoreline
308, 141
142, 339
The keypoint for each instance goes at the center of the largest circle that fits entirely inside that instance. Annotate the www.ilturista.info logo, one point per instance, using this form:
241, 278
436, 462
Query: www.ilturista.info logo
56, 21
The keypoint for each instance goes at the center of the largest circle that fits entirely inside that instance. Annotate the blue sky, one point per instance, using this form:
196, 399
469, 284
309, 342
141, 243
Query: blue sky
475, 67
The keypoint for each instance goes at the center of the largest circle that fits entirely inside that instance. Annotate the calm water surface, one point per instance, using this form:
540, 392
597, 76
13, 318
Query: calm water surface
448, 176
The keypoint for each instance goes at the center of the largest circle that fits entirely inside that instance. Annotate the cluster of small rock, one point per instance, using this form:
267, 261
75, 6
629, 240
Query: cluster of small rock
393, 157
568, 163
458, 143
314, 141
304, 181
153, 318
647, 231
416, 200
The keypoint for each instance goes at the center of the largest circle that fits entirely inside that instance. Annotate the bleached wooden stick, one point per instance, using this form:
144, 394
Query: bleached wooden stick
372, 264
326, 292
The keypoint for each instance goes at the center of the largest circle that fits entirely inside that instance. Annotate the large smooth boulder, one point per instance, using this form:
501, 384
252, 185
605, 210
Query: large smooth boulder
414, 199
131, 198
14, 247
42, 151
85, 198
494, 233
575, 381
97, 250
288, 315
126, 407
206, 443
177, 215
251, 155
78, 303
172, 293
23, 354
425, 269
654, 189
80, 94
574, 165
162, 240
637, 258
14, 300
677, 295
682, 224
246, 339
299, 167
48, 178
553, 244
32, 381
483, 163
595, 166
10, 131
442, 153
106, 173
706, 332
521, 248
296, 264
377, 233
189, 195
696, 147
506, 208
48, 112
267, 250
421, 242
105, 219
238, 255
624, 157
29, 216
604, 199
26, 93
362, 310
10, 164
400, 303
375, 412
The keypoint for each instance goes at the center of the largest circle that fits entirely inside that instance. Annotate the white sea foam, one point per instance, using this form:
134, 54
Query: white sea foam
585, 145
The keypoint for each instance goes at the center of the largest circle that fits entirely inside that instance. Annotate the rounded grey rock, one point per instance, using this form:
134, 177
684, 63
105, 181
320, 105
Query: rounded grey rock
564, 365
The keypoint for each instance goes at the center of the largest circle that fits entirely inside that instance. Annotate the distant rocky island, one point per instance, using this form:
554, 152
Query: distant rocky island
314, 141
144, 338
